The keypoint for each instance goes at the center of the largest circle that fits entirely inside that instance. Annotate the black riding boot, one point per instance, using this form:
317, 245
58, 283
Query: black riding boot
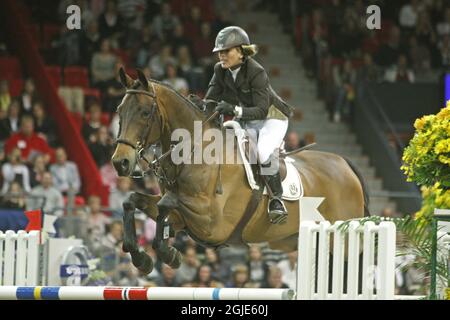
276, 210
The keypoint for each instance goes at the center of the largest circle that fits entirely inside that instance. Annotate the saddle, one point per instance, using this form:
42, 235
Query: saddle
291, 180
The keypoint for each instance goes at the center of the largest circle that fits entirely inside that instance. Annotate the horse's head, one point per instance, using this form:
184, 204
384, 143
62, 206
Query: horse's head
140, 124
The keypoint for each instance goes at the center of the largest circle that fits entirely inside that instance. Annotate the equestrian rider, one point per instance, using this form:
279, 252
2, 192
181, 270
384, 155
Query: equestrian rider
242, 87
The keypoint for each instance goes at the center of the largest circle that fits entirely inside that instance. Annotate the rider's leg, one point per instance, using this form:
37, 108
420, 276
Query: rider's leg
270, 139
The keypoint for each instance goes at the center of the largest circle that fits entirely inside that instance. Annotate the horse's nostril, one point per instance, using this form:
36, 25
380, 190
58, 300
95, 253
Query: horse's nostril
125, 164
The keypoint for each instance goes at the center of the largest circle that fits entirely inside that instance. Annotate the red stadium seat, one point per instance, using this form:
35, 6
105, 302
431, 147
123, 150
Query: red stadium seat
55, 74
10, 68
15, 87
76, 77
90, 92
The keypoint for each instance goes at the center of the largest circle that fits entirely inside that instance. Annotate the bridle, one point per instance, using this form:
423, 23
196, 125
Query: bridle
141, 144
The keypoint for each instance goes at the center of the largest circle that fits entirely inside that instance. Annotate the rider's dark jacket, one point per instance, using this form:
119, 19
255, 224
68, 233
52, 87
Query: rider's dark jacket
251, 90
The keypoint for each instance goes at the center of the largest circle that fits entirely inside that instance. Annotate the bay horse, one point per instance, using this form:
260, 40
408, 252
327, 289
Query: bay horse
149, 112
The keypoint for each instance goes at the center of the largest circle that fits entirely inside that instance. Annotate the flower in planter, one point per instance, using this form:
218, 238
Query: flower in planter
427, 161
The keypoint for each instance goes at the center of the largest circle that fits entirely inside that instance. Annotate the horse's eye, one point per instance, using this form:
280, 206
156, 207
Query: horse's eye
146, 113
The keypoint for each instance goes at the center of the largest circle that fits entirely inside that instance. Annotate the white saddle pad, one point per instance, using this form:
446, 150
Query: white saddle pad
292, 184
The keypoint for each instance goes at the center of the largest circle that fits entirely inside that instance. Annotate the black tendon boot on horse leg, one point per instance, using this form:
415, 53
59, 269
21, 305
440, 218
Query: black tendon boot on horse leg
276, 210
169, 255
139, 258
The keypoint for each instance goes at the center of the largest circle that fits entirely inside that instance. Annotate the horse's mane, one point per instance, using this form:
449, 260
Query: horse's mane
188, 102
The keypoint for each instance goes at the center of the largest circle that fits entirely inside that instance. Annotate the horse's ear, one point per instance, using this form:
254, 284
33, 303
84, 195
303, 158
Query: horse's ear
142, 78
124, 78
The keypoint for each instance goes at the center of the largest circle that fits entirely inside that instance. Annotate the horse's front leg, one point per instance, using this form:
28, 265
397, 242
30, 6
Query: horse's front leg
169, 255
139, 258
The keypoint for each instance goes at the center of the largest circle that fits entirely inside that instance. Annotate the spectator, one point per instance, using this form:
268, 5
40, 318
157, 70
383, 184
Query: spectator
192, 74
218, 270
369, 71
44, 125
270, 256
28, 96
188, 268
192, 24
132, 11
239, 278
178, 83
101, 147
424, 30
47, 197
10, 124
119, 195
67, 46
389, 52
168, 277
233, 255
258, 269
165, 23
114, 92
443, 27
408, 15
103, 65
5, 97
289, 270
37, 170
307, 139
97, 220
14, 198
344, 81
148, 46
29, 142
15, 171
159, 62
91, 126
89, 42
65, 174
110, 22
444, 52
5, 129
203, 278
113, 239
179, 40
274, 279
292, 141
400, 72
202, 46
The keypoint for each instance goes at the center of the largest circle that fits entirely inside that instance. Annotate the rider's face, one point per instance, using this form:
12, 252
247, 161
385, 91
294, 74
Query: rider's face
230, 57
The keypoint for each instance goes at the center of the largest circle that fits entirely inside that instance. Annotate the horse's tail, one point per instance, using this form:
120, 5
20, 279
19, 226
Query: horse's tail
363, 185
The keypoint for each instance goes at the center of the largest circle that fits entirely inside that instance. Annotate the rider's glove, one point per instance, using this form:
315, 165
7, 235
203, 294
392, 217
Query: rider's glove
225, 108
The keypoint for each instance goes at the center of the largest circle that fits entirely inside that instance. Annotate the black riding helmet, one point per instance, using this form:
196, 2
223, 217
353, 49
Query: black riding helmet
230, 37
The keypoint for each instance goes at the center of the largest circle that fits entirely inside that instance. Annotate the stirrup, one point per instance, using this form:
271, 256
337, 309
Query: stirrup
277, 216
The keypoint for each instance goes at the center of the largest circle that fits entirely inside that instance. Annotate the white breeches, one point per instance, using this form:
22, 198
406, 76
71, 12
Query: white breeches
270, 133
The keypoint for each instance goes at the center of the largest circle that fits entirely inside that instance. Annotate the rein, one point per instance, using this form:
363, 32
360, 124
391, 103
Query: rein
141, 144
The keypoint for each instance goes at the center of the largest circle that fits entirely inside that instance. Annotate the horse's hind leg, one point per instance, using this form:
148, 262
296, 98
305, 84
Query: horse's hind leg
139, 258
169, 255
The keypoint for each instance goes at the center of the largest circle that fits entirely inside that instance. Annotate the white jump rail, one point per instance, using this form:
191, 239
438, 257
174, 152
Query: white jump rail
378, 278
140, 293
19, 258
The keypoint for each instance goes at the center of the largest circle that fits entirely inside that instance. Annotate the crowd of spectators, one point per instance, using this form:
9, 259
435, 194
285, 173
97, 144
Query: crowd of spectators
339, 50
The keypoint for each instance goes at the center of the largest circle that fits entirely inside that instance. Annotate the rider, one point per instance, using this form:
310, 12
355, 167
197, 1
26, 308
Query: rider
242, 87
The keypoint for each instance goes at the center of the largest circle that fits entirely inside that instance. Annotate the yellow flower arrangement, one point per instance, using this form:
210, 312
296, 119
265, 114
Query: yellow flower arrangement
426, 161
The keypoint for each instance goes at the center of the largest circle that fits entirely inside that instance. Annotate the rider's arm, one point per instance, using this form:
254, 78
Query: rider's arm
215, 88
260, 96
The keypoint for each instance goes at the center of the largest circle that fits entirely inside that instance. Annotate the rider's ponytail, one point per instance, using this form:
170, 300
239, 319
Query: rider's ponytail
249, 50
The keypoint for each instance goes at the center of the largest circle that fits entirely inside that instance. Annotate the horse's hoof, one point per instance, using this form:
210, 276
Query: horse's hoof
142, 262
177, 257
170, 256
